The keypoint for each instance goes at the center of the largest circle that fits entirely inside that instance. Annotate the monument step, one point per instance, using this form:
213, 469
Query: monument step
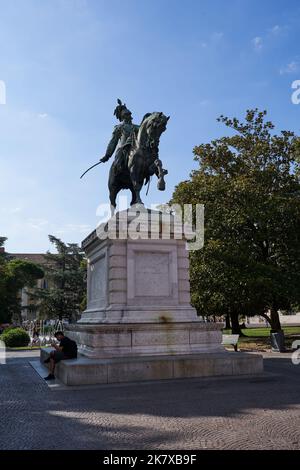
85, 371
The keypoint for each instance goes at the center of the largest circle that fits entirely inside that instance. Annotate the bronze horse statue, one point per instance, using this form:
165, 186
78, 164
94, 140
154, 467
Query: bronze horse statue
141, 160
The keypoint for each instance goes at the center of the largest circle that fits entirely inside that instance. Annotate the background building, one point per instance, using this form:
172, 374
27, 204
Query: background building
30, 305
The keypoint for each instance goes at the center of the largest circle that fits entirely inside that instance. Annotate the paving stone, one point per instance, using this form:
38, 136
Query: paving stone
204, 413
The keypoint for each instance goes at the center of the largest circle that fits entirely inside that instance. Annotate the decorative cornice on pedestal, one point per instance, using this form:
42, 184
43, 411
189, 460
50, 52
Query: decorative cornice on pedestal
169, 227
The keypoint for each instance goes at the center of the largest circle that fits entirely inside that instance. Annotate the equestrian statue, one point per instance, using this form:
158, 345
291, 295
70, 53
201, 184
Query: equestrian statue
136, 153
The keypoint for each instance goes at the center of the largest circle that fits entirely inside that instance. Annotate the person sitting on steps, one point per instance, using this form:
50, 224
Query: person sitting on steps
67, 349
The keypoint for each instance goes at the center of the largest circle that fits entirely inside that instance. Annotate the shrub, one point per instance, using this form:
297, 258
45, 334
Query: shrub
8, 328
16, 337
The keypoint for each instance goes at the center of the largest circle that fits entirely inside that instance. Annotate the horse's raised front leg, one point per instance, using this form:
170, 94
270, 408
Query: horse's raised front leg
161, 184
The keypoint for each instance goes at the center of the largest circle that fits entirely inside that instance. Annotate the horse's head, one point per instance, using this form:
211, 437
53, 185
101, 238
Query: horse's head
154, 125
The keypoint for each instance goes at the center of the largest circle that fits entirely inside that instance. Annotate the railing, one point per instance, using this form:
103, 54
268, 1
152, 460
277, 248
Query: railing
40, 333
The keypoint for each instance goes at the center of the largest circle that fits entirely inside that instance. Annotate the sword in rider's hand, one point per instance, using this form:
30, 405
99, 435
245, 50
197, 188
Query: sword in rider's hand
93, 166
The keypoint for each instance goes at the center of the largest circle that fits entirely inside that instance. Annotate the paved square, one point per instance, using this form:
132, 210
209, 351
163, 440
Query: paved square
260, 412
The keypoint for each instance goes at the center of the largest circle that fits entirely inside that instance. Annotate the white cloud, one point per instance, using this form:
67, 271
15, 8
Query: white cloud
2, 92
78, 228
212, 41
270, 34
43, 115
37, 224
276, 29
217, 36
257, 43
10, 210
291, 67
43, 224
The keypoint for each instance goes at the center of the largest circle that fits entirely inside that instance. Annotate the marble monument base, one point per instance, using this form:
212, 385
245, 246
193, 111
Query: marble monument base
85, 371
143, 339
139, 323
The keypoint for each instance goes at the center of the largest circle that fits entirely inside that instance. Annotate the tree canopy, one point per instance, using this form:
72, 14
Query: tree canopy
15, 274
65, 272
249, 184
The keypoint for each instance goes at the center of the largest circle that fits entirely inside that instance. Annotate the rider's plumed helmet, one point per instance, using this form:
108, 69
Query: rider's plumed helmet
119, 109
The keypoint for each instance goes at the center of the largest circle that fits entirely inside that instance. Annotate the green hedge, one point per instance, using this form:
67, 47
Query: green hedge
14, 338
8, 328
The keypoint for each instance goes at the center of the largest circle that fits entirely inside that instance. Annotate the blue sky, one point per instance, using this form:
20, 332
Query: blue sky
65, 62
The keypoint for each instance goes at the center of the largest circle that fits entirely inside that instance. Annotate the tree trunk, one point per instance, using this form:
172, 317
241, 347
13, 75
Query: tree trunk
275, 321
227, 322
235, 329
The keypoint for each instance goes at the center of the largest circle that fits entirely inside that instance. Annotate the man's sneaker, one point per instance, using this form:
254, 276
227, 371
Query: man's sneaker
46, 361
49, 377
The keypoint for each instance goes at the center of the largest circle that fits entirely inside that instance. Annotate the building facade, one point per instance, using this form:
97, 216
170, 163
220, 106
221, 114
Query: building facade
30, 305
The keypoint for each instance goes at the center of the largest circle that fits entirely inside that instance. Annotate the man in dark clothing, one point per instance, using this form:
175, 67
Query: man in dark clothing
67, 349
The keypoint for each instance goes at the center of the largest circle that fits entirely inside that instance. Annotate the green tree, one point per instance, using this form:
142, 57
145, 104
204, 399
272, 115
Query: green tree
65, 272
249, 184
15, 274
2, 241
2, 281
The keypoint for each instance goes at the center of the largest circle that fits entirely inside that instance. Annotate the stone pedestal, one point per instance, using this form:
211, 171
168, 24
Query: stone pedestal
137, 281
139, 320
143, 339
